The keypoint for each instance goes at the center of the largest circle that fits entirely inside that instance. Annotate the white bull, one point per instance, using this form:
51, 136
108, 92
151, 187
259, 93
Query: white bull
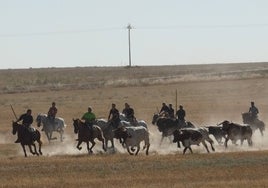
132, 137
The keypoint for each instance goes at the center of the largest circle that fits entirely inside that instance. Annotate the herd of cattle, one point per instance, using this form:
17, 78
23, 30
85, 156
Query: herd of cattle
131, 136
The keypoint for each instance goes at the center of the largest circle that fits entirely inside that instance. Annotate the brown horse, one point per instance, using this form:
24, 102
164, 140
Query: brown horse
87, 135
27, 138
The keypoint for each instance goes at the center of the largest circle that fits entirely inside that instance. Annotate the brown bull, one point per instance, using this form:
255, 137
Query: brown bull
236, 132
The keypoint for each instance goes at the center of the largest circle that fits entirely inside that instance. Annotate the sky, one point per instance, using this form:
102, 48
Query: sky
79, 33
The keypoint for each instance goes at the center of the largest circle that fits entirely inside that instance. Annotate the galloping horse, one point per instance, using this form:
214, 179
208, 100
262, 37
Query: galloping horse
85, 135
107, 130
254, 123
48, 126
168, 125
27, 138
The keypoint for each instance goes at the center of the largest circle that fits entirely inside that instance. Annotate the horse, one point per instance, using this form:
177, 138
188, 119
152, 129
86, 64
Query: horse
253, 122
27, 138
48, 126
87, 135
107, 130
168, 125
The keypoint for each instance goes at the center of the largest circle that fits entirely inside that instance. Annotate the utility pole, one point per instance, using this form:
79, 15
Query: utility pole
129, 49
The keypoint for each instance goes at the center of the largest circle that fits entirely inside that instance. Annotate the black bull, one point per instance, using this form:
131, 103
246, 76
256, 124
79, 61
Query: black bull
236, 132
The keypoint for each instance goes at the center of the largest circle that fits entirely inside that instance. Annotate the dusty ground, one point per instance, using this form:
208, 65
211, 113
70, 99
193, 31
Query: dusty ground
209, 94
207, 101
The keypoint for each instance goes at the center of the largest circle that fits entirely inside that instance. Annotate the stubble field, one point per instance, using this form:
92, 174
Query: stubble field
209, 94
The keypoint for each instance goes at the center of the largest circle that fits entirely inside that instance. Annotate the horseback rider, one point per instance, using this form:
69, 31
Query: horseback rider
164, 111
129, 113
181, 114
253, 110
113, 117
171, 111
89, 118
52, 113
27, 120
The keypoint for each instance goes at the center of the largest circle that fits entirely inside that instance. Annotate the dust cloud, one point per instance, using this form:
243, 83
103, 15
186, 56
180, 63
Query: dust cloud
68, 146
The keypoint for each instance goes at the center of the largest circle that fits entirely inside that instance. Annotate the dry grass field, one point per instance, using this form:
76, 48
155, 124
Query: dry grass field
209, 94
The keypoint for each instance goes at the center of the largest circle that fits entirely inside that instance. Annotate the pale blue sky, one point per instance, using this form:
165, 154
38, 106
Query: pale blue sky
69, 33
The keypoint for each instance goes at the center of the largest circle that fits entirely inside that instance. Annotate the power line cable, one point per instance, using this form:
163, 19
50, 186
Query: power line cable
171, 27
60, 32
201, 26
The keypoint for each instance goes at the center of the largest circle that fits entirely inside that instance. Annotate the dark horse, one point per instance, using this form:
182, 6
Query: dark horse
87, 135
253, 122
168, 125
27, 138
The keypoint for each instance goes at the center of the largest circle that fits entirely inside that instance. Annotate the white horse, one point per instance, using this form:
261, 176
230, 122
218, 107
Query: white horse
107, 130
49, 126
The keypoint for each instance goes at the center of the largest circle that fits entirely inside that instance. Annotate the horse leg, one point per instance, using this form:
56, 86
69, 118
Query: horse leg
184, 150
40, 145
88, 149
35, 150
23, 147
48, 136
30, 148
78, 145
61, 135
104, 146
93, 144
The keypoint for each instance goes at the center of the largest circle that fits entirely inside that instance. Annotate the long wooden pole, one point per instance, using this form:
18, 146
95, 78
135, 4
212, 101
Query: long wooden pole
176, 100
13, 112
